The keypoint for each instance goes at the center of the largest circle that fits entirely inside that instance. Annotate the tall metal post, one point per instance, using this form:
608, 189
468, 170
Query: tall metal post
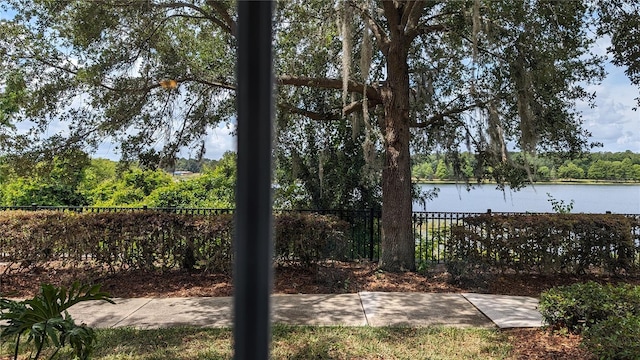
253, 244
371, 234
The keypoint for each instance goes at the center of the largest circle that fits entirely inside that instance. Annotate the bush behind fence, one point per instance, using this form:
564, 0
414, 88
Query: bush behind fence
201, 238
152, 239
545, 243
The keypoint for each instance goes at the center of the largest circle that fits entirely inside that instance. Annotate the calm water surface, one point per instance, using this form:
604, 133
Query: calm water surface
620, 199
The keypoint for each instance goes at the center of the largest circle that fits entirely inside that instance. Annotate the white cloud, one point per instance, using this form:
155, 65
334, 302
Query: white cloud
600, 46
107, 150
613, 122
219, 141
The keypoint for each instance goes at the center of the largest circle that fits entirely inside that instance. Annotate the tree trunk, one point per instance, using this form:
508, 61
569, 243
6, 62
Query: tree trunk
398, 246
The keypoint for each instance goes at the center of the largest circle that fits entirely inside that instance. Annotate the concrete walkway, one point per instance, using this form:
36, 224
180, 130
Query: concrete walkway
361, 309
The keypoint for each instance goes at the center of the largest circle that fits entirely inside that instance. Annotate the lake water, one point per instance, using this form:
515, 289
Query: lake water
619, 199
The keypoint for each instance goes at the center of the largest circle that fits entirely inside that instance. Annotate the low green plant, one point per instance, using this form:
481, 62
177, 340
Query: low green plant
614, 338
423, 266
46, 322
581, 306
559, 206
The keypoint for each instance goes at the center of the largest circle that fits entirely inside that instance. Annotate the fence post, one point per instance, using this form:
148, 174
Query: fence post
34, 207
371, 234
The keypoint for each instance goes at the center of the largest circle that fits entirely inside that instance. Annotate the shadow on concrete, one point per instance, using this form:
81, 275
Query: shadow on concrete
421, 309
332, 309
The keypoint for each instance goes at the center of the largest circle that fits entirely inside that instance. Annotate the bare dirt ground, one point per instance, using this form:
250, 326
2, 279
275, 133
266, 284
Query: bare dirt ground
336, 277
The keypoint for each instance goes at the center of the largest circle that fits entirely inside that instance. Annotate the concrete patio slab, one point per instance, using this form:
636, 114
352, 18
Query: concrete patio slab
320, 310
421, 309
101, 314
508, 311
172, 312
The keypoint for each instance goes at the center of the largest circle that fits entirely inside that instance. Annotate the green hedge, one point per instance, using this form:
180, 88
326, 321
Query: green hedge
146, 239
580, 306
307, 237
548, 243
615, 338
608, 316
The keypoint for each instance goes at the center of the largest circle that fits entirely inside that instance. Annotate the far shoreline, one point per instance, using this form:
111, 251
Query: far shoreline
554, 182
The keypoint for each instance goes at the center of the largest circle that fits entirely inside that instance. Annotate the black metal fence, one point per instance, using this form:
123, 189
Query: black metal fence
430, 229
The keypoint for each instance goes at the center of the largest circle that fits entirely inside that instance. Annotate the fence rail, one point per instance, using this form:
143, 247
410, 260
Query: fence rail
430, 229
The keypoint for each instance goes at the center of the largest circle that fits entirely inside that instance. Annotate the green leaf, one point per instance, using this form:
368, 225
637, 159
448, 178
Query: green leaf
46, 320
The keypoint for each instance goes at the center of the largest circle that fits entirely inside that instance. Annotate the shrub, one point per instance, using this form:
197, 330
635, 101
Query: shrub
614, 338
307, 238
153, 239
581, 306
550, 243
608, 316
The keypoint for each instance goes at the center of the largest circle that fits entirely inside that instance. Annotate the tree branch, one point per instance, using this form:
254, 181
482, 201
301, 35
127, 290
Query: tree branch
156, 84
313, 115
223, 12
381, 37
218, 84
426, 29
324, 116
439, 117
411, 14
393, 18
353, 107
423, 28
327, 83
484, 50
215, 20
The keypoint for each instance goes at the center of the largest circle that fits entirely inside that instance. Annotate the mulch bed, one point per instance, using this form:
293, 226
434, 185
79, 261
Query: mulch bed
545, 345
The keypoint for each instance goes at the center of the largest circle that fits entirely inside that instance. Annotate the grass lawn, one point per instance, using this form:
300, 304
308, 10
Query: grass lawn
297, 342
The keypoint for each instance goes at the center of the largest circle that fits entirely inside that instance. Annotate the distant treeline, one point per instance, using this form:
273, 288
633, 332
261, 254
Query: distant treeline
79, 180
606, 166
193, 165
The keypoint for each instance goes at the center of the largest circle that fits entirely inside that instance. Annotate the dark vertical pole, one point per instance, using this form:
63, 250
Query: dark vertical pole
371, 234
252, 272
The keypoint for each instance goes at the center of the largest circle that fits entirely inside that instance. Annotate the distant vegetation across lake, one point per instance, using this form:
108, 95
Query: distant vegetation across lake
600, 166
587, 198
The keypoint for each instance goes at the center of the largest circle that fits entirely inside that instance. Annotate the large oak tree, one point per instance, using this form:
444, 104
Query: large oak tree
435, 75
